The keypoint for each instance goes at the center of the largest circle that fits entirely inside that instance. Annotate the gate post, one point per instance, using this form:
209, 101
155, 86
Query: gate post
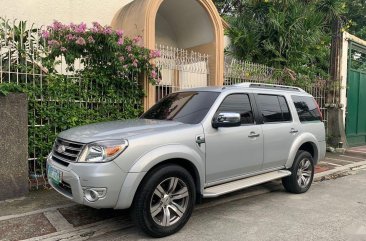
13, 146
335, 125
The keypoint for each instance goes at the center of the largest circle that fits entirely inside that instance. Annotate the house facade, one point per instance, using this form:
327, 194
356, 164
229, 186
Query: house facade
189, 33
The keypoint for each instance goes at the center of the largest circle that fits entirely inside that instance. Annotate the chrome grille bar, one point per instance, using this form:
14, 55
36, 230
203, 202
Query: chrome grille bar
67, 151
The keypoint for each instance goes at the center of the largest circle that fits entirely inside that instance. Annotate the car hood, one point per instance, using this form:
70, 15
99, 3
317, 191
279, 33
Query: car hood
116, 130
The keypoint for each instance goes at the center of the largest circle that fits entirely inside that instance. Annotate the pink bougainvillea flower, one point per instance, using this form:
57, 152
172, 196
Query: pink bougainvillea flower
63, 49
155, 54
70, 37
154, 74
80, 41
129, 48
97, 28
121, 58
120, 41
91, 40
81, 28
45, 34
137, 39
72, 26
108, 30
53, 43
57, 26
119, 33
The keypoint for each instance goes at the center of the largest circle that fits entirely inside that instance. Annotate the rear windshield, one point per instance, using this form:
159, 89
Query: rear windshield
307, 109
186, 107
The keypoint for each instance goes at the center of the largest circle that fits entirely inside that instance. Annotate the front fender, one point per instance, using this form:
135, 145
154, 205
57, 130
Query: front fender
146, 162
301, 139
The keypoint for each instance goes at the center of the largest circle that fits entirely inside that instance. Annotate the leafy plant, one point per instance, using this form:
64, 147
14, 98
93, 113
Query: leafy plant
105, 88
287, 35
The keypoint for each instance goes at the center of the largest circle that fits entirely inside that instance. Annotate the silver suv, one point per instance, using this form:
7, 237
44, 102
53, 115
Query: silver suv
193, 144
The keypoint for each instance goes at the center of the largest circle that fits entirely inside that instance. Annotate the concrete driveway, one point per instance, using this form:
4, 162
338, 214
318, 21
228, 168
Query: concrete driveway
331, 210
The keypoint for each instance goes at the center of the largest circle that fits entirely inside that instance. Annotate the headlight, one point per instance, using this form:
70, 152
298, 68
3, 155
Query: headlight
103, 151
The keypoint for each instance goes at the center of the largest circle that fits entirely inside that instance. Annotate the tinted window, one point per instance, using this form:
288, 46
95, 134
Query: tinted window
238, 103
273, 108
306, 108
286, 115
185, 107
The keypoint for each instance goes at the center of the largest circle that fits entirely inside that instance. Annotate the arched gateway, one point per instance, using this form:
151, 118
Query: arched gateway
181, 26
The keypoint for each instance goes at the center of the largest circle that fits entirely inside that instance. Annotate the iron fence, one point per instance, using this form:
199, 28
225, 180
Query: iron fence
22, 50
180, 69
237, 71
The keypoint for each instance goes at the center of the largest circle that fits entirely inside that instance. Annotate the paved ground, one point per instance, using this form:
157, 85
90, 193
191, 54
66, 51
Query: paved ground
46, 215
331, 210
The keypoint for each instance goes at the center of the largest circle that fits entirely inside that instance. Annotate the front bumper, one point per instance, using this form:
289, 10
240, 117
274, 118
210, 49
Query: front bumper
79, 176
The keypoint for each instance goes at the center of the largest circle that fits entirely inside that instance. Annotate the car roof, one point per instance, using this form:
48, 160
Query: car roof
253, 87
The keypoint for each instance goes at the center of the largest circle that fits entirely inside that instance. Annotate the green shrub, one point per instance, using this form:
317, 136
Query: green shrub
106, 88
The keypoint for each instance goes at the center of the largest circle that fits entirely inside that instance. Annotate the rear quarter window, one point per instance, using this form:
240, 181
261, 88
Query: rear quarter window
306, 108
273, 108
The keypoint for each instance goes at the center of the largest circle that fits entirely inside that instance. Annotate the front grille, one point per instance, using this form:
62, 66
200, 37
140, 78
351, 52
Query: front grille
65, 151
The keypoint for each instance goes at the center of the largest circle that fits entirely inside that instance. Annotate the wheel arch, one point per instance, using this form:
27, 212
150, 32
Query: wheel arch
306, 142
186, 158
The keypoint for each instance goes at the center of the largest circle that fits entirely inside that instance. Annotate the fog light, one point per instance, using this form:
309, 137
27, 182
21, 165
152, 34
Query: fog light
94, 194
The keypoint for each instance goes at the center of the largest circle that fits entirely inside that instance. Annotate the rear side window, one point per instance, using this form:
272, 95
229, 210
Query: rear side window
273, 108
306, 108
238, 103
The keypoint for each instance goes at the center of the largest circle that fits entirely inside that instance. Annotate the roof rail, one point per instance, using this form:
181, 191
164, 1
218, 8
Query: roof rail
269, 86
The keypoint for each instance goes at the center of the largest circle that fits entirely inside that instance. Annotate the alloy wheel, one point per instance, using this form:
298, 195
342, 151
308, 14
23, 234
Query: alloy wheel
169, 201
304, 172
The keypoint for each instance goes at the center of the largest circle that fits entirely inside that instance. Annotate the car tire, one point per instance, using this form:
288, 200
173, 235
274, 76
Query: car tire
302, 173
164, 201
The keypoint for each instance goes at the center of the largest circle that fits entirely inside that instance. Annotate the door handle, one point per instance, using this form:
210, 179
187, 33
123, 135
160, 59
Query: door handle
293, 131
200, 140
253, 135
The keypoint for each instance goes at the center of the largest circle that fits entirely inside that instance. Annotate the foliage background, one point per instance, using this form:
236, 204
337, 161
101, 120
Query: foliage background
99, 82
291, 35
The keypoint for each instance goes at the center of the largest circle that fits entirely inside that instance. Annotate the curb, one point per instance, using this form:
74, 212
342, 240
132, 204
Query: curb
356, 153
67, 232
338, 170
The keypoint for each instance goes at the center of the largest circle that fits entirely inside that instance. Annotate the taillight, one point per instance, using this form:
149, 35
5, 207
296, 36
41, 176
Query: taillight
317, 106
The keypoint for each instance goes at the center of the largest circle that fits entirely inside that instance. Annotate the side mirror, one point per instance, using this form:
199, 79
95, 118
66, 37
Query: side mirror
226, 119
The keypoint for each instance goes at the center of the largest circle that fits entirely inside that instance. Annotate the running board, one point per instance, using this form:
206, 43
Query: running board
225, 188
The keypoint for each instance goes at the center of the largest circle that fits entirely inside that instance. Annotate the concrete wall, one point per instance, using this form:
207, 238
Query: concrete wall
210, 50
190, 21
43, 12
13, 146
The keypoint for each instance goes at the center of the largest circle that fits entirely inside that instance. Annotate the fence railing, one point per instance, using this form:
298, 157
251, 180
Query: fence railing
22, 49
180, 69
237, 71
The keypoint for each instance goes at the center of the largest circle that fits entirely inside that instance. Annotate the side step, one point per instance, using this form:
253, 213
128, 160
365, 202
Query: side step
225, 188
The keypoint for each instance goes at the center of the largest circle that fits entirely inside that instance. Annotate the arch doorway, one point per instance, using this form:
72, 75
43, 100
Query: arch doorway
189, 34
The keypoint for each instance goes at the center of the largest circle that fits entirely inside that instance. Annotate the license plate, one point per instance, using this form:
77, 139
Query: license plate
54, 174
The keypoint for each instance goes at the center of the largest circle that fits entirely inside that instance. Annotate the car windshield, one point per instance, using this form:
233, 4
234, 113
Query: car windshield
186, 107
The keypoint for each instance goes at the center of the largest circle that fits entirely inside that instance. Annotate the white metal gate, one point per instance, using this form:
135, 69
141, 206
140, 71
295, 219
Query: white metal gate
180, 69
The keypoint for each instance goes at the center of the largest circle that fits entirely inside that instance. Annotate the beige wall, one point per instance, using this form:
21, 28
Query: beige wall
43, 12
165, 33
210, 50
